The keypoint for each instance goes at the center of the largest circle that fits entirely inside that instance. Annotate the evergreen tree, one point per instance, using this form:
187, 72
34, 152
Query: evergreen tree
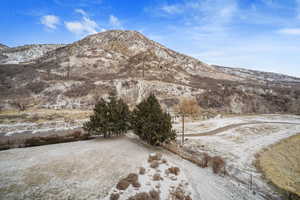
150, 123
110, 118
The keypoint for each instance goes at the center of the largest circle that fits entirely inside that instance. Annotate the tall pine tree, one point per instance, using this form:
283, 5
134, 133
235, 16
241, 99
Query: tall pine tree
150, 123
110, 118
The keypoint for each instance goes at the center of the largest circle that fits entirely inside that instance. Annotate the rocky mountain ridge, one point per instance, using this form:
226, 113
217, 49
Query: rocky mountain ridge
263, 77
26, 53
126, 62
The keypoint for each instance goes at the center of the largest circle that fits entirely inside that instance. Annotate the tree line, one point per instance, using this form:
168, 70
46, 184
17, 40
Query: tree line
112, 117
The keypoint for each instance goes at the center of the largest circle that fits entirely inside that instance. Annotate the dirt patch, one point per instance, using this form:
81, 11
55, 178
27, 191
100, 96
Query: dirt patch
280, 164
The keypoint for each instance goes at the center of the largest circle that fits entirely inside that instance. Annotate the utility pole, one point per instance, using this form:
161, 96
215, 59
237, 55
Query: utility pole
182, 116
143, 66
251, 181
68, 71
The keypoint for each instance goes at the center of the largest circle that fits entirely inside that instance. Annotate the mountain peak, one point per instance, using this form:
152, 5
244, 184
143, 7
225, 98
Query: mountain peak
133, 40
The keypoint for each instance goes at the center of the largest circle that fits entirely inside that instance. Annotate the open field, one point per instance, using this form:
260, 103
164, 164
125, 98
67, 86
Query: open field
238, 140
281, 164
17, 127
91, 169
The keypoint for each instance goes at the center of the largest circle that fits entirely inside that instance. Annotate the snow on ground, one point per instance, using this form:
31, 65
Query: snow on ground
77, 170
239, 144
90, 169
216, 123
165, 186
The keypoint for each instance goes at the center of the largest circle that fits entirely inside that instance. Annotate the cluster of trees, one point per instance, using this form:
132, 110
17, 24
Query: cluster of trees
147, 120
110, 118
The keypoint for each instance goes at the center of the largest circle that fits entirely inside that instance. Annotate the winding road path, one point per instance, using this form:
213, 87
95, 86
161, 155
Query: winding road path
232, 126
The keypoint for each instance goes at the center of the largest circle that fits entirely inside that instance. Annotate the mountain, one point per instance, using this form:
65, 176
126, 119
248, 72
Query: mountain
132, 66
25, 53
2, 46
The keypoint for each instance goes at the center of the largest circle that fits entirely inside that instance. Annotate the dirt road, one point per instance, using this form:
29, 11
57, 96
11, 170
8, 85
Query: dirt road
232, 126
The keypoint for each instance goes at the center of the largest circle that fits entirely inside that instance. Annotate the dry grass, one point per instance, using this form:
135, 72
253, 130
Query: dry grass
281, 164
42, 115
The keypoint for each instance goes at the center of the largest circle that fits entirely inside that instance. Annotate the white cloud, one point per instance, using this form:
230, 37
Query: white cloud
204, 13
80, 11
85, 26
290, 31
172, 9
115, 22
50, 21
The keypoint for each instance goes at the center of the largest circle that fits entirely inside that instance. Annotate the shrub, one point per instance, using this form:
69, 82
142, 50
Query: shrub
174, 170
205, 160
110, 118
140, 196
123, 184
37, 87
132, 178
34, 141
154, 164
136, 184
156, 177
76, 134
150, 123
114, 196
217, 164
152, 195
154, 156
80, 90
21, 104
142, 171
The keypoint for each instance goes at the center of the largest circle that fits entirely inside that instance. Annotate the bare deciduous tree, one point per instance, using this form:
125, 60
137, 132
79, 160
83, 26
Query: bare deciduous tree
187, 107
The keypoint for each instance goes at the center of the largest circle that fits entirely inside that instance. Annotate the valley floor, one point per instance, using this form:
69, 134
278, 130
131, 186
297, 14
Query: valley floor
90, 169
239, 140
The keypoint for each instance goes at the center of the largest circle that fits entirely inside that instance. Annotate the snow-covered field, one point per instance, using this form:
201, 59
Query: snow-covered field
91, 169
239, 143
200, 127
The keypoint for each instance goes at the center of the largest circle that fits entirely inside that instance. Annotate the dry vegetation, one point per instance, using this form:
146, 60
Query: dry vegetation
42, 115
281, 164
54, 139
203, 160
188, 107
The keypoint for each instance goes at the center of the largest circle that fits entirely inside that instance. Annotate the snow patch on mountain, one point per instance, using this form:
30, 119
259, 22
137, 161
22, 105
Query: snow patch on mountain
25, 53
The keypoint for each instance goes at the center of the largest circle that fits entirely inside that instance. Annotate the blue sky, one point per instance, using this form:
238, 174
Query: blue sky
255, 34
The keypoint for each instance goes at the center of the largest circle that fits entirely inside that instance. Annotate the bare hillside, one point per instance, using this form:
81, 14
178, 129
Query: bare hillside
24, 53
126, 62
